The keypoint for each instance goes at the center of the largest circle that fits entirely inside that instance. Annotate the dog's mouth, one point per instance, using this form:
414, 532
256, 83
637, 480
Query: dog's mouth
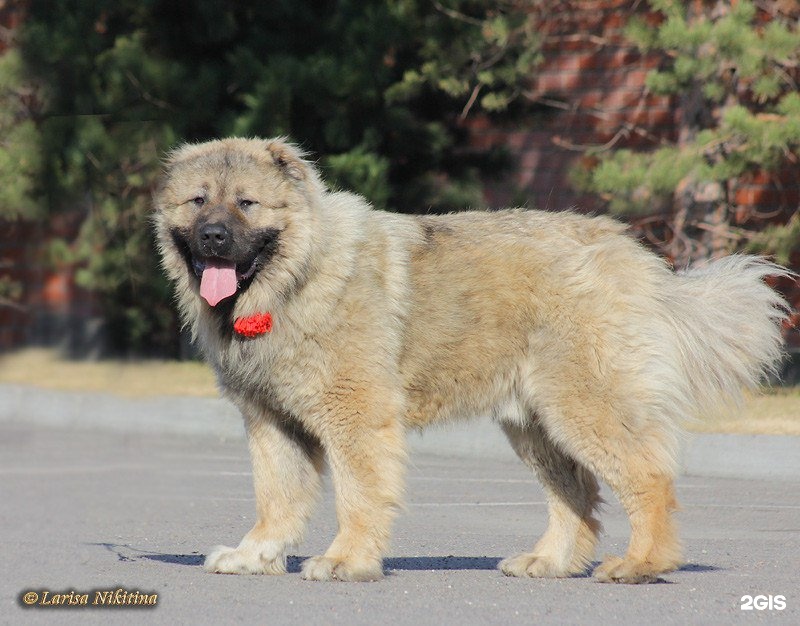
242, 271
221, 278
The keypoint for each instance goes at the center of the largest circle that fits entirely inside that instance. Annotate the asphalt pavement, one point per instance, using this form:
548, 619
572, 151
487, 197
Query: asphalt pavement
91, 507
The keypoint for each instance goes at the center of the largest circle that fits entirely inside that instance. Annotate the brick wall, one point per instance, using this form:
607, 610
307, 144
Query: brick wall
588, 92
51, 309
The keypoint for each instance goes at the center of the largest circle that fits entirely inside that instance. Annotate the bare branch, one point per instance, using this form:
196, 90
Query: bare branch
456, 15
568, 145
161, 104
465, 111
625, 129
5, 302
722, 230
589, 38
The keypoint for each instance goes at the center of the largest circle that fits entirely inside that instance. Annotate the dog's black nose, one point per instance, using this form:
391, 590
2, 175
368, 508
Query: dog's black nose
215, 239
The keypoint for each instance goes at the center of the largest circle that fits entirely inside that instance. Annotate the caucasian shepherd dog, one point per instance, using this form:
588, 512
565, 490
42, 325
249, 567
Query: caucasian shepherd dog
336, 328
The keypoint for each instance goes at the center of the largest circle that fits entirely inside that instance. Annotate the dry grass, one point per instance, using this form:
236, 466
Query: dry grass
44, 368
777, 412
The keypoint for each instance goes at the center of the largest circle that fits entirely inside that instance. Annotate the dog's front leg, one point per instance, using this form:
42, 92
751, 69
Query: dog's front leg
367, 460
286, 467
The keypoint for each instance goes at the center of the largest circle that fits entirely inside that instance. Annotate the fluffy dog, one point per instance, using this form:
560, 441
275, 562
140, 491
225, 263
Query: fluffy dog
336, 328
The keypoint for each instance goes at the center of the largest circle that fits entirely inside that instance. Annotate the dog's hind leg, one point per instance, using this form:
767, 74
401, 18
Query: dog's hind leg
654, 547
567, 546
633, 458
287, 462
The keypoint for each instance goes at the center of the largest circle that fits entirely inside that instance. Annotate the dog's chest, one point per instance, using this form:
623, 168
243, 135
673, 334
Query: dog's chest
272, 373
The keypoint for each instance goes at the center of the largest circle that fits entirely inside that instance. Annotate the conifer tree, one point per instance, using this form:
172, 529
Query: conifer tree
371, 88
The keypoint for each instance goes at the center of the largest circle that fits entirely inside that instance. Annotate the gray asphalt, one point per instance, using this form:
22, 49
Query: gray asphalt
735, 456
86, 508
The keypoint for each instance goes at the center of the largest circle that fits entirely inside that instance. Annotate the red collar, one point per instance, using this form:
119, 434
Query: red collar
253, 325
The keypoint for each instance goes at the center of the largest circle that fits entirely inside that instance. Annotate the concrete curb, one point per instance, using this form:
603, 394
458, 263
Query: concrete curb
734, 456
170, 415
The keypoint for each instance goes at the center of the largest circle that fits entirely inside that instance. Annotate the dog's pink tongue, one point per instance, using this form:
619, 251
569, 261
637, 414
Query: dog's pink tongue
218, 281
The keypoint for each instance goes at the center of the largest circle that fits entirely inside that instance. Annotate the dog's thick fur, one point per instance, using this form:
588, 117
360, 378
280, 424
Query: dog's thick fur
583, 346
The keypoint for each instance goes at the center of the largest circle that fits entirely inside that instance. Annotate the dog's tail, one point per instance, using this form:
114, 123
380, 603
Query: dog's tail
726, 327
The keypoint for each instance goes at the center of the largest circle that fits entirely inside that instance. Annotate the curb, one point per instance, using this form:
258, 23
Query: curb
717, 455
174, 415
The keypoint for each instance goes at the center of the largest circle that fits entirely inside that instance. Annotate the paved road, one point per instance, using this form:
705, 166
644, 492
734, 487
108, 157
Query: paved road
100, 510
732, 456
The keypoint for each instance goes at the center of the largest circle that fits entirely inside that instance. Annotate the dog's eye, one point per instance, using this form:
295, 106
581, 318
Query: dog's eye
199, 201
246, 204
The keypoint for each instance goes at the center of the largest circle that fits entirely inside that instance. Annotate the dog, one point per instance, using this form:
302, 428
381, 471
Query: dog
336, 328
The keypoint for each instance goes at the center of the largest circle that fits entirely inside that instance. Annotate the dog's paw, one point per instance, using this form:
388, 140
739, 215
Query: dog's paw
616, 570
349, 570
532, 566
249, 558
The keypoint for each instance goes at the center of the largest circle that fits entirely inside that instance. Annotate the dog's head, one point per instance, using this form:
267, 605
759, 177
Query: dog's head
234, 213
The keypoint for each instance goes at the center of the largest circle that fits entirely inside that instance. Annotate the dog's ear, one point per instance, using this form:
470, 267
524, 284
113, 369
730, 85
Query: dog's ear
288, 159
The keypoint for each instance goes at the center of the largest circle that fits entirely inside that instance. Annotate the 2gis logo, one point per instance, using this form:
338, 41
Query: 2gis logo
763, 603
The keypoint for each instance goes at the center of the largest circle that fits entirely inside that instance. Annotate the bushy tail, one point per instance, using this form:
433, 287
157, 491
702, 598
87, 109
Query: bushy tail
727, 321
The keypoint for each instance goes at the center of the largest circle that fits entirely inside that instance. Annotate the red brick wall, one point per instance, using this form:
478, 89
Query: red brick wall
51, 306
591, 91
592, 71
10, 18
